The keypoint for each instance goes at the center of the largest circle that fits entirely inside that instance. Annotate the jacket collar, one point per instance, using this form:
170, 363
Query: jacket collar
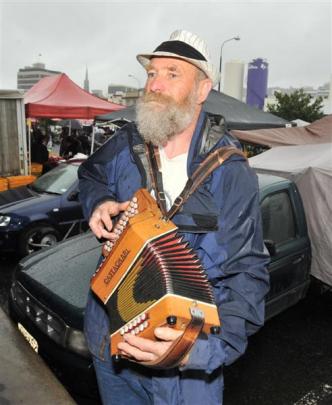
208, 132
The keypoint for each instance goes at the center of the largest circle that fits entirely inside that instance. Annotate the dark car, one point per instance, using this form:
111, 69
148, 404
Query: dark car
42, 213
47, 301
49, 293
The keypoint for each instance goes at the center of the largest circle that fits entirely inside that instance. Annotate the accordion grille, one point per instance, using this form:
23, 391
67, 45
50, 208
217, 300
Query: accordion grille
167, 265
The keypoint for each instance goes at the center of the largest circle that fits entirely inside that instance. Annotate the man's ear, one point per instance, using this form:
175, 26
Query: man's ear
204, 88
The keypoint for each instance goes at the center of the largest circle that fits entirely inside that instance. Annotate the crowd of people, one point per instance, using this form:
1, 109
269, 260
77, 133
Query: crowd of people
65, 145
73, 142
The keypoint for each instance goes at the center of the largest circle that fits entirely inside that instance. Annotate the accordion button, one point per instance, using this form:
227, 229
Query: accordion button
126, 329
136, 330
116, 358
145, 324
215, 330
122, 332
171, 320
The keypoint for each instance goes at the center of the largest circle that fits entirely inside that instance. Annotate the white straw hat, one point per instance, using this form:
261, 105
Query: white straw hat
186, 46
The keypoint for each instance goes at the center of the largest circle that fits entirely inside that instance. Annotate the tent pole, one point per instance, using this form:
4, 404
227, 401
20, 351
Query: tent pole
29, 145
92, 139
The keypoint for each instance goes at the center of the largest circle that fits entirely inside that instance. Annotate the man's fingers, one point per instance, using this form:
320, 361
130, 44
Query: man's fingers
108, 235
167, 334
133, 352
123, 206
95, 227
105, 218
110, 209
139, 342
142, 349
101, 220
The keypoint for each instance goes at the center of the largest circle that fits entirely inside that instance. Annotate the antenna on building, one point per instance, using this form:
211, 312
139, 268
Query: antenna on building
86, 81
39, 64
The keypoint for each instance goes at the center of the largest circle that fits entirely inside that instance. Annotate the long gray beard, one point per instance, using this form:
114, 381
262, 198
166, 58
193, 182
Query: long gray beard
158, 125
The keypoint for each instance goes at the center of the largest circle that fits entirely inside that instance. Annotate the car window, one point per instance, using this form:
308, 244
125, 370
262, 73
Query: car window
57, 180
278, 218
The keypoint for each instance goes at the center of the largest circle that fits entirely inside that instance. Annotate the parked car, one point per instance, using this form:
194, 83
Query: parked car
42, 213
50, 289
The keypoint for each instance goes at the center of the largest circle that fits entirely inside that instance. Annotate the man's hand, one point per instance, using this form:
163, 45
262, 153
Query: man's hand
101, 222
142, 350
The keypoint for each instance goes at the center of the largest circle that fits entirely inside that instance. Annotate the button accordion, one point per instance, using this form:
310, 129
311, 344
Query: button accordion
150, 277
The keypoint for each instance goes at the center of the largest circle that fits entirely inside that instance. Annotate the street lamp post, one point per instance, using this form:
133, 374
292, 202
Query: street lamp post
237, 38
138, 83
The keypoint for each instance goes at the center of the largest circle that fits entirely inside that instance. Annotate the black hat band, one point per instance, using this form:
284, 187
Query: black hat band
180, 48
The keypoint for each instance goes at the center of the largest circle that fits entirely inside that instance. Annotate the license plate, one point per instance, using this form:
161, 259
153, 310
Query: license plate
29, 338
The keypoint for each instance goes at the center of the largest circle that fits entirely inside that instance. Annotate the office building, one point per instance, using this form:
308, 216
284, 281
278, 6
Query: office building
30, 75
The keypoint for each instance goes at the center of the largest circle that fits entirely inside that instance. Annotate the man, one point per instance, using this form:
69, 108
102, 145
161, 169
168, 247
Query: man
221, 222
39, 152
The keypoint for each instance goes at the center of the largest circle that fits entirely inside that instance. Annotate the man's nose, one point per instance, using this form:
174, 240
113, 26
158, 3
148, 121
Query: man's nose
156, 84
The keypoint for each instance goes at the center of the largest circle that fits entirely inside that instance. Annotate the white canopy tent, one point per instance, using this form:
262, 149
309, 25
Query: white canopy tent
310, 167
319, 131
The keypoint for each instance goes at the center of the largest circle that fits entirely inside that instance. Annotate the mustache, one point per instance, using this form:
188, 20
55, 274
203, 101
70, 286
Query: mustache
157, 97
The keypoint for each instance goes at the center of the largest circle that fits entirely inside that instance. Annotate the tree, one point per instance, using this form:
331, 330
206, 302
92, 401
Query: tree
297, 105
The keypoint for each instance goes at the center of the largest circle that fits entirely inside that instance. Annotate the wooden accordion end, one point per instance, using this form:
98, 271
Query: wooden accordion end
150, 277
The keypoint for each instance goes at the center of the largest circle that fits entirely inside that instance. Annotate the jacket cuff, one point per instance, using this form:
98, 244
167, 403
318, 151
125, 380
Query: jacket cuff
202, 357
100, 200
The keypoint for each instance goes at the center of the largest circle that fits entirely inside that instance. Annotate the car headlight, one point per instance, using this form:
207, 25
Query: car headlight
4, 220
76, 342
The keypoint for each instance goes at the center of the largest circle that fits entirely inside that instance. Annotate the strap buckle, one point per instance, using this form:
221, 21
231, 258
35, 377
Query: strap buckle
161, 196
178, 201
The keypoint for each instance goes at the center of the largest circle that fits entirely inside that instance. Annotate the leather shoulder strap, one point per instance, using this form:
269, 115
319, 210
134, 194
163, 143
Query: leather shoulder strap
210, 163
138, 153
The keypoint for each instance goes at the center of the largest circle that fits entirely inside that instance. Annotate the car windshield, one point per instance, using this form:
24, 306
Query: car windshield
57, 180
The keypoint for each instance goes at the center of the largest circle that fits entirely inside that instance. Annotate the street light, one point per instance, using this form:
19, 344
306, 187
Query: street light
237, 38
138, 83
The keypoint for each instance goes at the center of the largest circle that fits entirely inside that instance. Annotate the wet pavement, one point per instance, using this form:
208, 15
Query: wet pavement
7, 265
24, 377
289, 362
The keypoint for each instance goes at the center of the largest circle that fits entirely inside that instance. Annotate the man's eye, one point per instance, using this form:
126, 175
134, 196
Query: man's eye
151, 74
173, 75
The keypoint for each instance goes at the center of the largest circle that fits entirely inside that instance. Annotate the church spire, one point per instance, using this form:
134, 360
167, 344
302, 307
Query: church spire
86, 81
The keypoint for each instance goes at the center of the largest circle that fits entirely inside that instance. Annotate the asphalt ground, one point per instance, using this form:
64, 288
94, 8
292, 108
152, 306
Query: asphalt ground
288, 362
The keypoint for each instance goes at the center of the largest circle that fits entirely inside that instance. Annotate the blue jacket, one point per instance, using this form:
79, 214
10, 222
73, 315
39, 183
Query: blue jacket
221, 221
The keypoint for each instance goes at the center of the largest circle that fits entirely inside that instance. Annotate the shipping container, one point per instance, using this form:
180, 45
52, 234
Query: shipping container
13, 140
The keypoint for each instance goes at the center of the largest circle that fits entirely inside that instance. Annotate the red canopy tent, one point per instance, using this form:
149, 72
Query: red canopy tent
59, 97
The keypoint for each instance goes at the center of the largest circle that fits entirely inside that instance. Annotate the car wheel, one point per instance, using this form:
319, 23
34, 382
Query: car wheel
37, 238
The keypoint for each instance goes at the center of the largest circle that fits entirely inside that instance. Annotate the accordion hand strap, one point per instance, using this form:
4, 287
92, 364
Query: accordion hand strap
181, 346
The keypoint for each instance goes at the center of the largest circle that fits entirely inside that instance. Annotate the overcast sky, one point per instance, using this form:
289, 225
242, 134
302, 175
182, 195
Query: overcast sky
293, 36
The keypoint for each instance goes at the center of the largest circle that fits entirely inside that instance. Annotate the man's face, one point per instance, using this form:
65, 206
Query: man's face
173, 78
171, 100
